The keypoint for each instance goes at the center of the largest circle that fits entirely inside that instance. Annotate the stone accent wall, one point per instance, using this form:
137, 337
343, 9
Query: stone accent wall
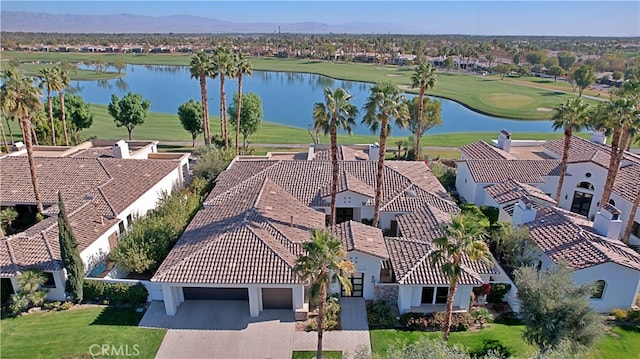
388, 292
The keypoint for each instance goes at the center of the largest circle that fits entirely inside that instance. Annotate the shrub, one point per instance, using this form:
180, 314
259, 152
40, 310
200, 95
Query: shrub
444, 174
494, 348
620, 314
481, 315
460, 321
633, 316
331, 315
508, 318
66, 306
52, 305
116, 293
497, 292
416, 321
379, 314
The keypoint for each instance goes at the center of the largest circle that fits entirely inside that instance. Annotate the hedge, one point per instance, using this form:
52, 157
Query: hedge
114, 293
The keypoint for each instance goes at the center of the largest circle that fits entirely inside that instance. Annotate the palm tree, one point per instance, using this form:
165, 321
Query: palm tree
323, 261
48, 81
570, 116
64, 81
631, 220
4, 136
384, 103
424, 77
242, 67
337, 112
463, 237
20, 97
200, 69
223, 66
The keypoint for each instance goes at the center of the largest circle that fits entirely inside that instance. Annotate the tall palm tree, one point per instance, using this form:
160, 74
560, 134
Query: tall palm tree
48, 77
4, 137
337, 112
463, 237
384, 103
64, 81
632, 215
242, 67
424, 76
322, 261
201, 68
20, 97
223, 66
570, 116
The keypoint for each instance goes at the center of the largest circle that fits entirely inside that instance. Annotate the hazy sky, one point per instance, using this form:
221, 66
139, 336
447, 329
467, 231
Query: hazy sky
576, 18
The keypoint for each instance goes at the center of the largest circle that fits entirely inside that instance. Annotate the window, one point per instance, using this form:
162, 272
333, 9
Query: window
635, 230
121, 228
588, 174
441, 295
129, 220
586, 185
50, 282
612, 202
598, 289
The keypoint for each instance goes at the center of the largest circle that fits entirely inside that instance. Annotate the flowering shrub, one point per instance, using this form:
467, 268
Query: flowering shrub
460, 321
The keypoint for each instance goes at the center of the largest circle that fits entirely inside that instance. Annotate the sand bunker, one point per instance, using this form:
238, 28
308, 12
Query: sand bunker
544, 109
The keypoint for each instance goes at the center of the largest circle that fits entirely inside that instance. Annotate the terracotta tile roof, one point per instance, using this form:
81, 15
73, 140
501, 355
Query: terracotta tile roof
414, 198
423, 224
348, 182
626, 185
582, 150
362, 238
566, 237
511, 190
524, 171
345, 153
411, 264
481, 150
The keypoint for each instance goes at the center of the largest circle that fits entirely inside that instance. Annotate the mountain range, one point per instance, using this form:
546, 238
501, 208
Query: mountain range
17, 21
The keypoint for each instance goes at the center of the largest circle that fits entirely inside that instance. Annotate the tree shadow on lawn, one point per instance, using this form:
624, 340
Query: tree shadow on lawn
120, 316
630, 328
552, 93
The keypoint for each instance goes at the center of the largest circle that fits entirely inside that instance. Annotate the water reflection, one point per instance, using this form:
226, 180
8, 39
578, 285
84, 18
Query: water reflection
121, 84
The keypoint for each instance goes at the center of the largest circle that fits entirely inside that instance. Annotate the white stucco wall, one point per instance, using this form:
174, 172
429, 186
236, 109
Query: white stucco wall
385, 221
621, 285
625, 208
97, 251
465, 185
149, 199
411, 296
576, 173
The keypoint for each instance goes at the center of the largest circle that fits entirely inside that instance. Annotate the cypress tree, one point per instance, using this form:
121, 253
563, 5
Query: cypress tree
69, 253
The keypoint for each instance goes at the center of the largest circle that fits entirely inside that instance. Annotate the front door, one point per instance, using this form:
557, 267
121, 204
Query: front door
344, 214
357, 285
581, 203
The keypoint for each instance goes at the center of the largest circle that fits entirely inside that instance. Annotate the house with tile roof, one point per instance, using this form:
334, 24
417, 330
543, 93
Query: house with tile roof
587, 247
244, 244
102, 191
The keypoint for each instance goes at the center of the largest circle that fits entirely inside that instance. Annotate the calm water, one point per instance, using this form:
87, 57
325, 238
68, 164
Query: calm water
287, 98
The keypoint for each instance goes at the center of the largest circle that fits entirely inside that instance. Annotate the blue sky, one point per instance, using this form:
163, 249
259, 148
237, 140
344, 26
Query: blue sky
575, 18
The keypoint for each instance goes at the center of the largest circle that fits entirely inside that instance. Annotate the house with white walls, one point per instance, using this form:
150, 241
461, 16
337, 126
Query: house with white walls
589, 248
244, 244
103, 188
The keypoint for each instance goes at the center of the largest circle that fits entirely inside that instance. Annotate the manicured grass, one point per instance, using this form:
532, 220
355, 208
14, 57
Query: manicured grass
482, 93
619, 342
549, 84
309, 354
76, 332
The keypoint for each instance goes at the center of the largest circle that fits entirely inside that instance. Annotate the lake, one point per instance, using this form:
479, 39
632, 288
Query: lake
287, 98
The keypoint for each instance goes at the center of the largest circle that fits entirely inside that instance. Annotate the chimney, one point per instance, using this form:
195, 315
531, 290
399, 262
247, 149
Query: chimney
120, 149
599, 136
504, 140
374, 152
523, 212
607, 222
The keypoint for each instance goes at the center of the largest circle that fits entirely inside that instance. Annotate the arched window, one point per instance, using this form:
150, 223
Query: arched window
598, 289
612, 202
585, 185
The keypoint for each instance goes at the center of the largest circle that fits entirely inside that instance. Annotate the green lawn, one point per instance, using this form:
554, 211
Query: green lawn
487, 94
77, 332
309, 354
620, 342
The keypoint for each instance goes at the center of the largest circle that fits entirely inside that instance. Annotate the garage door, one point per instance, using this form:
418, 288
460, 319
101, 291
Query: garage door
194, 293
277, 298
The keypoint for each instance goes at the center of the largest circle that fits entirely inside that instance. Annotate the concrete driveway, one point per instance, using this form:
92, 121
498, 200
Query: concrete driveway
224, 329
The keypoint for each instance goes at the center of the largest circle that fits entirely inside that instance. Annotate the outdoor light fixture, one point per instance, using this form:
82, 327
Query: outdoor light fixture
373, 279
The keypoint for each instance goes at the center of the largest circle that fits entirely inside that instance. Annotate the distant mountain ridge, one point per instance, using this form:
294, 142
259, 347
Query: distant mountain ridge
18, 21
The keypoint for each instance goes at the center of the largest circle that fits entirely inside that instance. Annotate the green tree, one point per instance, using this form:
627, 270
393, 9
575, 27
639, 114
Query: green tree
566, 60
201, 68
571, 117
536, 57
323, 261
7, 216
30, 291
69, 253
449, 63
617, 75
463, 237
424, 77
78, 112
223, 67
555, 311
584, 76
242, 66
190, 115
20, 98
431, 115
251, 115
337, 112
385, 102
49, 82
130, 111
119, 65
555, 71
503, 69
514, 245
